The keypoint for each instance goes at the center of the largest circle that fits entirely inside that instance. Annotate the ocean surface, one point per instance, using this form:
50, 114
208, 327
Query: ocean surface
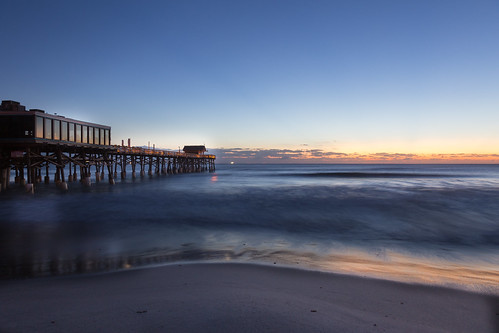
436, 224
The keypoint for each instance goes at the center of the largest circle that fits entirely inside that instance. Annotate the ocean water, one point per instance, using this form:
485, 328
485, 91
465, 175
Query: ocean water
436, 224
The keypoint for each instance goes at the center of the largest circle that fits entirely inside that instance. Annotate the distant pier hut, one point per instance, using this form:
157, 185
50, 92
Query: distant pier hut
199, 150
32, 140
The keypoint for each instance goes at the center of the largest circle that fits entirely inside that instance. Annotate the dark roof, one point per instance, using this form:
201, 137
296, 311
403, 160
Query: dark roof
11, 106
194, 149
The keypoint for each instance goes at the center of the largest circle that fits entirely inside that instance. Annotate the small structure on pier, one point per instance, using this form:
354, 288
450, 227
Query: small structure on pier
32, 140
198, 150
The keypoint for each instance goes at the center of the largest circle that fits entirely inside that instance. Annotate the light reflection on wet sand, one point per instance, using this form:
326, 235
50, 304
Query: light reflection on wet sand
400, 267
390, 265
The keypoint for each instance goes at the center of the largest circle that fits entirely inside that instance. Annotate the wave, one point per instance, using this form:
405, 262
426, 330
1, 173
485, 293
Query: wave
373, 175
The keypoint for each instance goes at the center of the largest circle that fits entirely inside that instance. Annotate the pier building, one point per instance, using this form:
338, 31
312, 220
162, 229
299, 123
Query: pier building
21, 126
31, 141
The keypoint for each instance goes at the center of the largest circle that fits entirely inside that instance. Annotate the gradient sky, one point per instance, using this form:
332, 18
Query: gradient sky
416, 78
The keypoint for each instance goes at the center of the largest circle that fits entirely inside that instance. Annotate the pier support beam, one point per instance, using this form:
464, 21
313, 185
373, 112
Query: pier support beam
30, 188
5, 177
70, 176
29, 165
38, 175
22, 181
134, 164
109, 171
86, 181
149, 171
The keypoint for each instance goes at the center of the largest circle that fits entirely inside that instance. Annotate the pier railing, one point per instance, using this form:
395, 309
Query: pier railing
159, 152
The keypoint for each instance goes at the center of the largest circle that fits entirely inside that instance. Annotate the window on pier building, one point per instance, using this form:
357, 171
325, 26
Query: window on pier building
64, 131
48, 128
39, 127
106, 137
56, 130
102, 137
78, 133
91, 135
71, 132
84, 134
97, 136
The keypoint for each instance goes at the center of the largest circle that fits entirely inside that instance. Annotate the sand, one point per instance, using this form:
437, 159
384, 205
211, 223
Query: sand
238, 298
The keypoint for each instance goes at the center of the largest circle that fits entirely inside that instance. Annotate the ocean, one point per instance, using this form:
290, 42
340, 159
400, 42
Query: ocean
431, 224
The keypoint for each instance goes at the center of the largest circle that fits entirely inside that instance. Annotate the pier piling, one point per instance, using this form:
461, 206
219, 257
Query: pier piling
70, 164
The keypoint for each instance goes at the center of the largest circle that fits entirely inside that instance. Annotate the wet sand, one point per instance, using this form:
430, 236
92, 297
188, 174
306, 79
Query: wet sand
238, 298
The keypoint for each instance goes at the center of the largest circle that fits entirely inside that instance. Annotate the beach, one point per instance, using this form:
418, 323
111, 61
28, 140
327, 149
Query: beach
227, 297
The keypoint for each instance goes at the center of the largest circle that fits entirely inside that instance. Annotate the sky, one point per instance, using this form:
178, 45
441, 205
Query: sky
266, 81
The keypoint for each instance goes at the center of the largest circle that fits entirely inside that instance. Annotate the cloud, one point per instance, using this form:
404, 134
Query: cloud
260, 155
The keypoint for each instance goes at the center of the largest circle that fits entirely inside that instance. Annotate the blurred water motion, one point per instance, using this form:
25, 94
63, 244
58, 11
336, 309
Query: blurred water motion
433, 224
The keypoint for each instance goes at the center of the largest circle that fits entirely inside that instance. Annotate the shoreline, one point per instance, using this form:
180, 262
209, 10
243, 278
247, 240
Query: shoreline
247, 297
462, 273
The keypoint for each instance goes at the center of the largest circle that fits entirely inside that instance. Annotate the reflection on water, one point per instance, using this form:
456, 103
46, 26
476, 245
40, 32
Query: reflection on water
395, 266
41, 256
438, 229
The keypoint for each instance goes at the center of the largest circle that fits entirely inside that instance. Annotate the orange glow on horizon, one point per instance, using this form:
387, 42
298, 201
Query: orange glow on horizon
320, 156
421, 147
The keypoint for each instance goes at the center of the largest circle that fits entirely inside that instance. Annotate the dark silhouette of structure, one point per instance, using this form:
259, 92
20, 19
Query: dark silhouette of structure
32, 140
194, 149
18, 126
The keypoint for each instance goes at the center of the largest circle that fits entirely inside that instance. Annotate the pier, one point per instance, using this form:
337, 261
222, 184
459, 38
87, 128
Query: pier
34, 143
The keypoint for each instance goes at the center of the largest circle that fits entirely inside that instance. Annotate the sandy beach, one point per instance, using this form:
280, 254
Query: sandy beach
238, 298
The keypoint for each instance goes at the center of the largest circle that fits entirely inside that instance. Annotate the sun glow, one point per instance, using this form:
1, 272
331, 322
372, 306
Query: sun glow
307, 155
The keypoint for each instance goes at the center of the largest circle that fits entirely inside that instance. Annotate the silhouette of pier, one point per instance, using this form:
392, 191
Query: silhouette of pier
33, 143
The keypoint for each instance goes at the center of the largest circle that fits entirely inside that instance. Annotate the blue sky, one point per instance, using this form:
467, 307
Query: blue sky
350, 77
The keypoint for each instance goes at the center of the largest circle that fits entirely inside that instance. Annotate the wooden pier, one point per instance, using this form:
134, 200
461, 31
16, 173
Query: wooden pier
33, 144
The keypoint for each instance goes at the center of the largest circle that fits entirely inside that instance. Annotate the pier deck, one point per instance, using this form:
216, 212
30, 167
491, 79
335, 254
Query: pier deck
32, 163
